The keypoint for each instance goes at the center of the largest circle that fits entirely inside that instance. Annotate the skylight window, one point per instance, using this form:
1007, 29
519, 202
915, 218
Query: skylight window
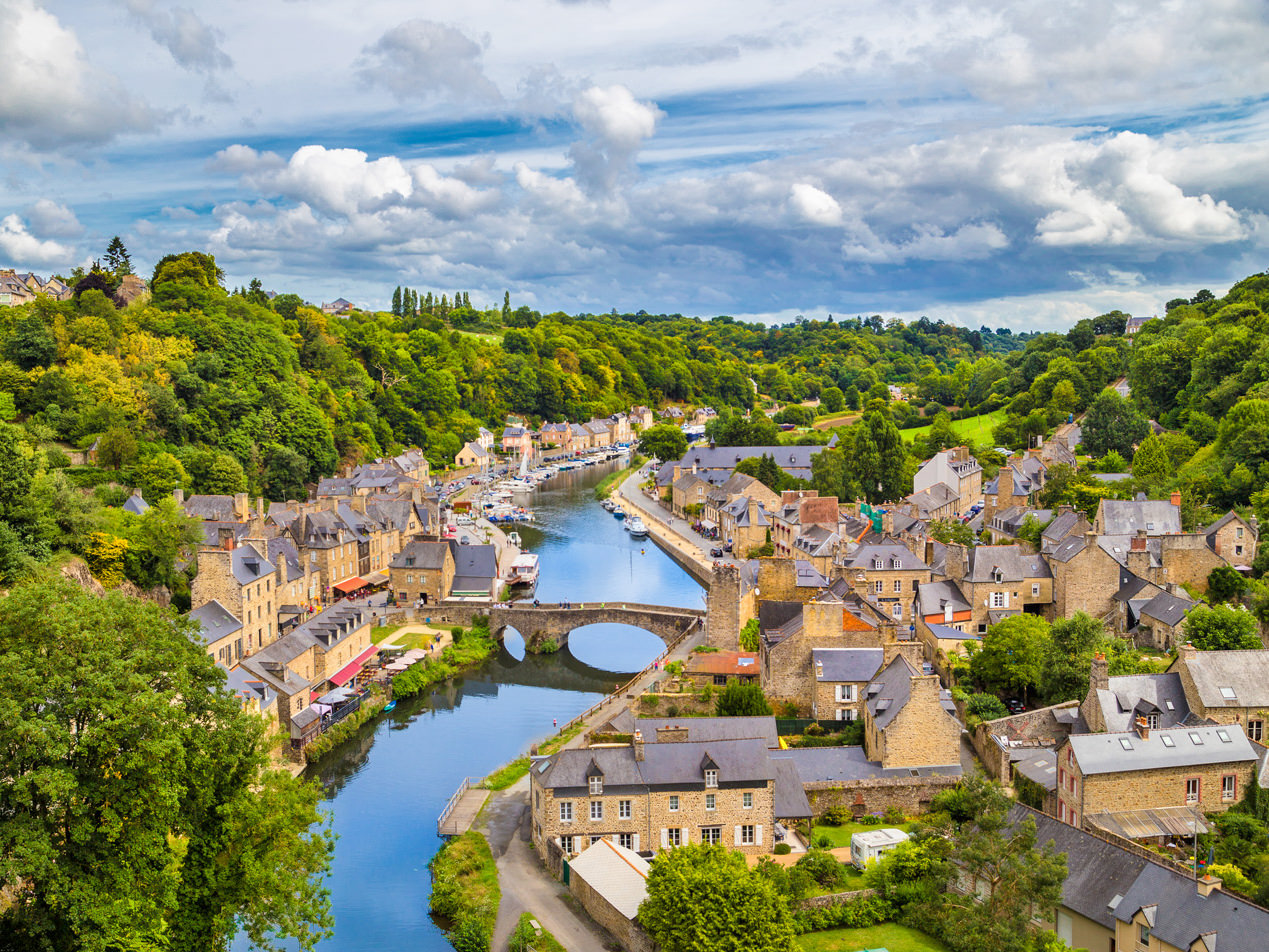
1223, 737
1167, 741
1229, 694
1125, 743
1169, 705
1196, 738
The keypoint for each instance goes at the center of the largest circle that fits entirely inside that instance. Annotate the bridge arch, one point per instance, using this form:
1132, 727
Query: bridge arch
539, 623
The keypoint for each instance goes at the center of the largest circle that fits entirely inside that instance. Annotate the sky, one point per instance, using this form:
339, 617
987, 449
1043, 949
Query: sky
1019, 165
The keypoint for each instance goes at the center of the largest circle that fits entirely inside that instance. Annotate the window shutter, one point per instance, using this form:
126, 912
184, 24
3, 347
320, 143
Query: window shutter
635, 842
736, 837
665, 839
684, 833
757, 835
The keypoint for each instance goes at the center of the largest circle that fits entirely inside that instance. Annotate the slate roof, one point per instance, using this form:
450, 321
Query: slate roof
847, 665
789, 793
249, 565
712, 728
1126, 516
136, 504
1037, 764
1107, 753
816, 541
836, 764
934, 498
214, 508
807, 575
1129, 695
1014, 564
244, 685
1063, 525
426, 555
474, 561
282, 549
889, 692
1167, 608
215, 621
794, 460
663, 765
323, 631
947, 631
889, 554
933, 597
1067, 549
1245, 672
778, 620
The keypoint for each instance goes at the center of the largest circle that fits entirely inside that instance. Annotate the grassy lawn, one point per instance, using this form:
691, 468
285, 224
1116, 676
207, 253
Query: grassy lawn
541, 941
840, 835
978, 429
886, 936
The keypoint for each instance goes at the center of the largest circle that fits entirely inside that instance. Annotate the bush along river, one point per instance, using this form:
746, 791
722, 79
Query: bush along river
387, 785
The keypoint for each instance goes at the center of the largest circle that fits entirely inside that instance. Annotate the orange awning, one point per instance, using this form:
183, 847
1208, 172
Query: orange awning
351, 584
351, 669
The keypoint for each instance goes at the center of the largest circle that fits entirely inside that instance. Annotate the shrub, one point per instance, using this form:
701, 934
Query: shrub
782, 849
836, 815
456, 633
672, 710
856, 914
824, 842
894, 816
649, 700
870, 819
822, 866
813, 730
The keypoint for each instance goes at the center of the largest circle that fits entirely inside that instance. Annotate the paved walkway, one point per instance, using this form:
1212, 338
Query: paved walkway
670, 530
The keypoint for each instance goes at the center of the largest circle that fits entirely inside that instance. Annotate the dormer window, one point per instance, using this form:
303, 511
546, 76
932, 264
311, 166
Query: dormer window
876, 563
596, 786
894, 563
711, 778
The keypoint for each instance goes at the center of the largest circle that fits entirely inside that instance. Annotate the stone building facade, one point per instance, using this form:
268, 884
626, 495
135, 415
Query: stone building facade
889, 576
1228, 687
908, 720
243, 580
422, 573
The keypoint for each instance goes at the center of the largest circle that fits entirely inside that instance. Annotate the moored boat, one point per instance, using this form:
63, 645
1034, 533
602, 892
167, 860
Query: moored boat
637, 528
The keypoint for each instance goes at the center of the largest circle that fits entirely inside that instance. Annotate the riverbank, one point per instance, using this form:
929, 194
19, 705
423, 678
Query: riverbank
609, 484
688, 554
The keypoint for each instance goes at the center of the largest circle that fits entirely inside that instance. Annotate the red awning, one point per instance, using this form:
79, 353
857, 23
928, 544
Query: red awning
351, 584
350, 670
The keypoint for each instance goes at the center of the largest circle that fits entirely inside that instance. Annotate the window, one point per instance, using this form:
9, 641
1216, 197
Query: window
674, 804
623, 809
711, 778
746, 801
720, 679
596, 786
673, 837
1143, 936
1167, 741
566, 844
711, 801
845, 693
625, 840
897, 610
898, 585
595, 839
746, 835
711, 834
1229, 694
1255, 730
878, 586
876, 563
1192, 790
566, 811
1035, 589
1238, 532
1223, 737
846, 714
1238, 550
597, 809
998, 600
1196, 739
1229, 786
1152, 721
1125, 743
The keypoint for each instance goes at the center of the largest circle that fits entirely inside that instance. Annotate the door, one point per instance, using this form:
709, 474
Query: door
566, 871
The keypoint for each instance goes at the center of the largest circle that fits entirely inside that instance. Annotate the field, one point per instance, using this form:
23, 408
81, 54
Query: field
977, 429
886, 936
837, 419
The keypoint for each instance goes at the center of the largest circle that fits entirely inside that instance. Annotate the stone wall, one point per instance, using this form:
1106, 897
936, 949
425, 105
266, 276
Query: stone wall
912, 795
834, 899
723, 609
1086, 583
627, 932
552, 621
1187, 560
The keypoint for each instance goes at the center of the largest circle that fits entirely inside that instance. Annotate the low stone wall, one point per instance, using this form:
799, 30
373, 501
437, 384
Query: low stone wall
628, 933
1038, 725
834, 899
911, 795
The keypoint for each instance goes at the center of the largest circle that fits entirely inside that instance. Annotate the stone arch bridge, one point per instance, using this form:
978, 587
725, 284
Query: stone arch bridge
538, 623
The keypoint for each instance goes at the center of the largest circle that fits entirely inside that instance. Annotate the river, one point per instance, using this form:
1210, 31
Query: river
387, 786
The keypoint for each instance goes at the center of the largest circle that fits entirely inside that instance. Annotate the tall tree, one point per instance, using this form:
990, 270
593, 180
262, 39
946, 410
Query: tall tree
118, 261
1112, 423
396, 302
138, 809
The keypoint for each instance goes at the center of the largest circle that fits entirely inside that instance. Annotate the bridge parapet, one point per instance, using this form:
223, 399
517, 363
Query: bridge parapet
538, 623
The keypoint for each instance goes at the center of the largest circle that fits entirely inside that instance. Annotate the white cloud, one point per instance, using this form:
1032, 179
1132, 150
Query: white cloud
422, 59
18, 245
193, 43
617, 124
48, 219
50, 96
241, 159
814, 205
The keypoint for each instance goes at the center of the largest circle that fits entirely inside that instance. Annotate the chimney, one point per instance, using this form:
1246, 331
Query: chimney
1099, 673
225, 539
1208, 885
1186, 652
1091, 707
954, 567
1143, 728
1138, 541
179, 495
637, 743
242, 511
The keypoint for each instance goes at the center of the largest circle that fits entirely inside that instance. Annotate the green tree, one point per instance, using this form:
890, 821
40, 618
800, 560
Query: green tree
1221, 628
31, 344
1151, 466
118, 261
749, 635
138, 806
985, 707
833, 400
116, 448
703, 898
663, 441
1112, 423
1012, 654
741, 700
1225, 583
159, 475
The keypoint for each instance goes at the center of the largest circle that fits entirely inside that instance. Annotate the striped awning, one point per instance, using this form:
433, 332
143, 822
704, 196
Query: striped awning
352, 668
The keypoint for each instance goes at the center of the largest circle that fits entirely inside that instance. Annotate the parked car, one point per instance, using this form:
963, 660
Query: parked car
465, 540
1014, 705
716, 553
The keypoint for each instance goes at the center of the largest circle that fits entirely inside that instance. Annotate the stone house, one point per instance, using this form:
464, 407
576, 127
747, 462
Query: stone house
998, 581
720, 668
1085, 577
842, 676
1123, 517
599, 433
243, 580
220, 631
619, 428
1228, 687
798, 511
641, 418
422, 573
1015, 485
737, 485
688, 490
656, 795
960, 475
1233, 538
909, 721
517, 439
328, 547
889, 576
486, 439
1120, 896
473, 456
744, 523
579, 438
555, 434
255, 695
936, 502
610, 883
818, 545
1159, 620
1205, 767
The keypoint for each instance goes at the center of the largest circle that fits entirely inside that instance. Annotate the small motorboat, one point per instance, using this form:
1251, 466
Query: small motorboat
391, 705
618, 512
637, 528
609, 505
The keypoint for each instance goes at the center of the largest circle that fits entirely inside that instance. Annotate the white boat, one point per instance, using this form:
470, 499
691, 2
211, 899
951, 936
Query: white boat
637, 529
524, 570
513, 538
